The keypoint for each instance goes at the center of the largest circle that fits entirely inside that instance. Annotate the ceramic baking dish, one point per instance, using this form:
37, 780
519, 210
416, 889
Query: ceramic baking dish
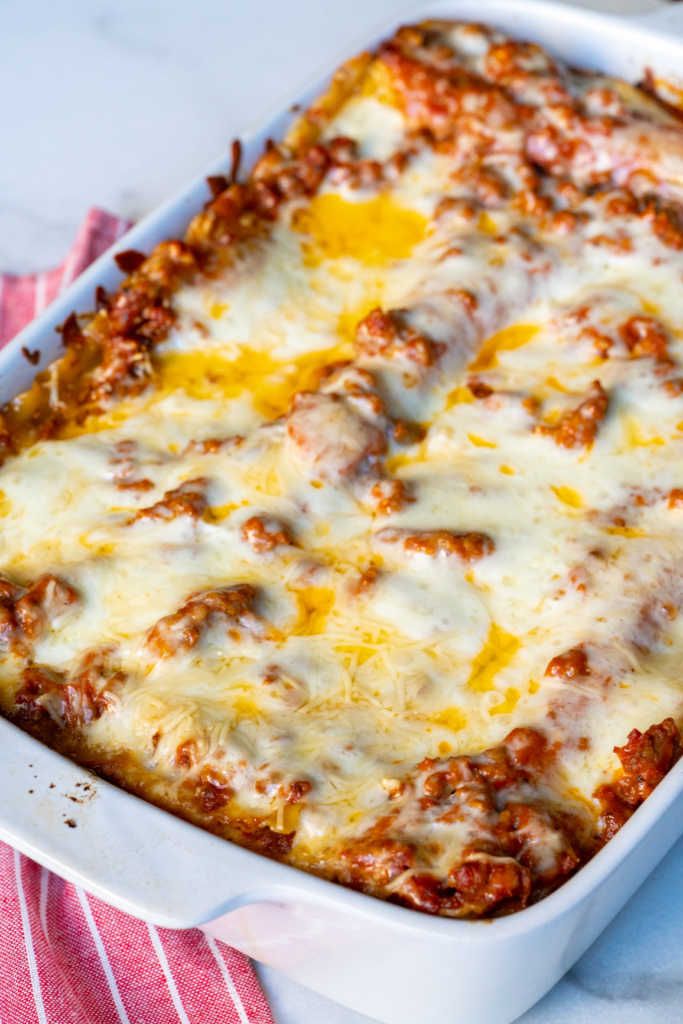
383, 960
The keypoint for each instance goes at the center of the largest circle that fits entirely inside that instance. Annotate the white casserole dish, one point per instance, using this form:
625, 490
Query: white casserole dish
388, 962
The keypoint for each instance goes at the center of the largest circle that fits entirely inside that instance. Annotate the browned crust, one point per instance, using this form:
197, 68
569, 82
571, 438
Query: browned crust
109, 352
109, 355
496, 878
187, 801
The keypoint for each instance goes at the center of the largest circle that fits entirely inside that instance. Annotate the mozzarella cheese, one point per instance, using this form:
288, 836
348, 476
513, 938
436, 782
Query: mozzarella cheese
348, 686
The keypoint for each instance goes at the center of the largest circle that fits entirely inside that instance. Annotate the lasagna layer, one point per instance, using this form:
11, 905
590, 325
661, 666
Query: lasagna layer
351, 526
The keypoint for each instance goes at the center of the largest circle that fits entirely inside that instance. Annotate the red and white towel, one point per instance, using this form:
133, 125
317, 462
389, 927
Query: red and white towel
66, 957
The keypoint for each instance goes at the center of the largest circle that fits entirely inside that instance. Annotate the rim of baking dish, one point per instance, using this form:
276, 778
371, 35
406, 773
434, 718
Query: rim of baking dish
273, 881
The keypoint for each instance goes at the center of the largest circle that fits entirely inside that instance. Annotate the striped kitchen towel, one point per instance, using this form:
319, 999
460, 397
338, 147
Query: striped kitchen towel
66, 957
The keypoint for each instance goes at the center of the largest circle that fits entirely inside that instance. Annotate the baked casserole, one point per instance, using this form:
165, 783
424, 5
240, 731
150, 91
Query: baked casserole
351, 526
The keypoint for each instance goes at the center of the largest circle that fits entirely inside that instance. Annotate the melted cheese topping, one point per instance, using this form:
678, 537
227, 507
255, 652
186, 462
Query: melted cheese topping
373, 232
349, 686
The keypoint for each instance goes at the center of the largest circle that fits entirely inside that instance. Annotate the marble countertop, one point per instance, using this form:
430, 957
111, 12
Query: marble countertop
118, 103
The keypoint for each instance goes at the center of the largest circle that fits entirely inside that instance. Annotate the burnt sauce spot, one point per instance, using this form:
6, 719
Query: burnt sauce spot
83, 792
84, 796
32, 356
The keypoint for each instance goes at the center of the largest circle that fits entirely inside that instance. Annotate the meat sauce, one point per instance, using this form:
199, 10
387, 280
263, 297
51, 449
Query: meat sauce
349, 525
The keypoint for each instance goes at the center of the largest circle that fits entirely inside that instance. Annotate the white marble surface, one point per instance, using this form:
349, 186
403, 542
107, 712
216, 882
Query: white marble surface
119, 103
